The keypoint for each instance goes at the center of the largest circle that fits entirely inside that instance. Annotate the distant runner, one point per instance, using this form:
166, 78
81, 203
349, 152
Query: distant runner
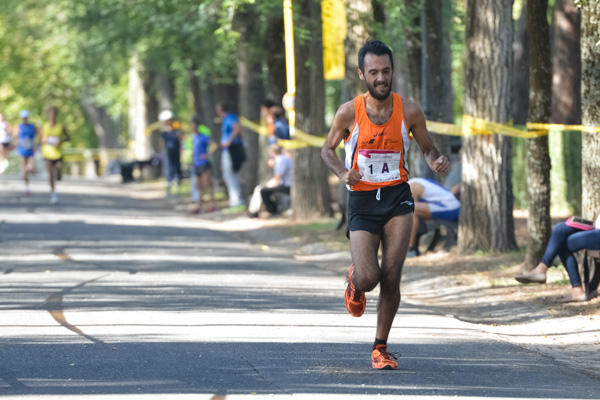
375, 129
26, 147
53, 136
5, 142
202, 147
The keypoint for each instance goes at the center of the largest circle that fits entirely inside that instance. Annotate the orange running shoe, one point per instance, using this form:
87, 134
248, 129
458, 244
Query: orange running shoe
382, 359
356, 302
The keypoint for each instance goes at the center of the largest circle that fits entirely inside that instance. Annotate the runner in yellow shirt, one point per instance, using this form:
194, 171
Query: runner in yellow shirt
53, 136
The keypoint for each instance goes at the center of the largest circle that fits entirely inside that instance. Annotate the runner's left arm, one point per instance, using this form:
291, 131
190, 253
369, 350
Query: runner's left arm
418, 126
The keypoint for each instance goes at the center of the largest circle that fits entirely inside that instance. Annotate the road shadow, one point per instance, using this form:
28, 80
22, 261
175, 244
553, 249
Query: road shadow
54, 368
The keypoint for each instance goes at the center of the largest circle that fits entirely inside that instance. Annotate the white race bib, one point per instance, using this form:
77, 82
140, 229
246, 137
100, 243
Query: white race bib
379, 165
26, 144
52, 140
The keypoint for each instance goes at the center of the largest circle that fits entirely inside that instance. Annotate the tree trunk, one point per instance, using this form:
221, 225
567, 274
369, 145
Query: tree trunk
138, 109
203, 100
104, 126
565, 147
360, 22
590, 105
311, 195
566, 61
413, 47
540, 109
165, 85
439, 95
520, 77
486, 221
276, 85
275, 59
414, 61
250, 85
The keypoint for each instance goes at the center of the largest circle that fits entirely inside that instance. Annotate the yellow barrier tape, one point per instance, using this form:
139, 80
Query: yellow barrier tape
444, 128
478, 126
292, 144
559, 127
308, 138
245, 122
301, 141
470, 126
152, 127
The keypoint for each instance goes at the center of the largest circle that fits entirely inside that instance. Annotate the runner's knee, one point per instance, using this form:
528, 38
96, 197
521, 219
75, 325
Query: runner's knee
366, 280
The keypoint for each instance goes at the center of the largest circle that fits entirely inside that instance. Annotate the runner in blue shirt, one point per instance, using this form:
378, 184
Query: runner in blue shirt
201, 146
26, 147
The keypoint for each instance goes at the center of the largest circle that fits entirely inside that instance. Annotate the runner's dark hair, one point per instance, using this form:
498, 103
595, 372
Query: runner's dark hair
375, 47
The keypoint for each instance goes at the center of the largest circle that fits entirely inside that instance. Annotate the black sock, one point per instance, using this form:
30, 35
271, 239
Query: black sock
378, 342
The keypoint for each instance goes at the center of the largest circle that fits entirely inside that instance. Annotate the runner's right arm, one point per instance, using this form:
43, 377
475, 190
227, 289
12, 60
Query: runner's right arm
342, 123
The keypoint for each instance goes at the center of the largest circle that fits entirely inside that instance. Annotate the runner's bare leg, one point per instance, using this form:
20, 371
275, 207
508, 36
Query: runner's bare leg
396, 234
363, 248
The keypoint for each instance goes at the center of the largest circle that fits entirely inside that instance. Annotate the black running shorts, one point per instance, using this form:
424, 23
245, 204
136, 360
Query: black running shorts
371, 210
199, 170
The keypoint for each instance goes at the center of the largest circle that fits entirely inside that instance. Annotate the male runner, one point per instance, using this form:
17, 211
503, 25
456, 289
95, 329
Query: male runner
375, 127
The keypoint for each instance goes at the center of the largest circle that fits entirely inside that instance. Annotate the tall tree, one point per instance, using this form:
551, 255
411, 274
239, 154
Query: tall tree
486, 221
565, 147
360, 24
437, 92
413, 46
540, 109
520, 77
414, 14
138, 109
250, 83
275, 57
590, 104
310, 193
566, 63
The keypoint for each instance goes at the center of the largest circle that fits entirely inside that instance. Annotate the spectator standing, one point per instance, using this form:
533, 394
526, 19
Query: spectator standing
173, 149
26, 147
265, 112
5, 143
281, 127
231, 145
53, 136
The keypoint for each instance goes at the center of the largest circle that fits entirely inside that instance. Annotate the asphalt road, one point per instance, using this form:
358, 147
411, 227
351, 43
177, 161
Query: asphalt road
110, 294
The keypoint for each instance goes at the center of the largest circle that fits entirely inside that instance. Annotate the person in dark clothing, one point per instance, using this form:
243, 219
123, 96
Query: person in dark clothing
172, 148
281, 128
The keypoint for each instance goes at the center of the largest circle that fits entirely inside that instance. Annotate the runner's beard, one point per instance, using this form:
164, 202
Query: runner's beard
377, 95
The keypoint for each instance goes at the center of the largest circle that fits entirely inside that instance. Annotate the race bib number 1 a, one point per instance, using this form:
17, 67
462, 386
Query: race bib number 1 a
379, 165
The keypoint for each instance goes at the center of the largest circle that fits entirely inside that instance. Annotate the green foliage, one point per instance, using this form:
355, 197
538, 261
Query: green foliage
565, 172
519, 178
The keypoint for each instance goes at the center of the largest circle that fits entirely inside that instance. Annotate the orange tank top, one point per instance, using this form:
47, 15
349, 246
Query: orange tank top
378, 151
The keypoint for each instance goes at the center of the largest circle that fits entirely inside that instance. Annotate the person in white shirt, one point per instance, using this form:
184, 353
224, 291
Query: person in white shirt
281, 182
432, 201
